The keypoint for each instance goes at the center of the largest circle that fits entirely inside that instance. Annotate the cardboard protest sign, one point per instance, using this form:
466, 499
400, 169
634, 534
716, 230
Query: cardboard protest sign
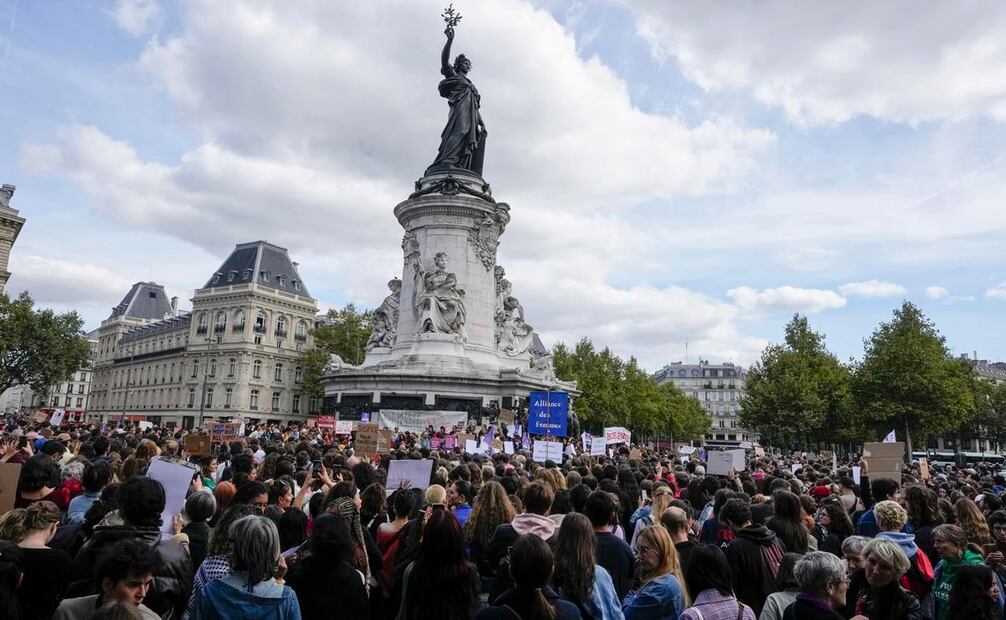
635, 453
175, 479
40, 416
547, 451
416, 472
617, 434
9, 475
220, 432
508, 417
197, 445
885, 460
384, 441
311, 423
759, 451
496, 445
924, 468
366, 439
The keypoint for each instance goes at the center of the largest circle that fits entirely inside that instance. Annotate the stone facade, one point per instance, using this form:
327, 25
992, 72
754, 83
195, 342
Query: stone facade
10, 228
234, 355
718, 388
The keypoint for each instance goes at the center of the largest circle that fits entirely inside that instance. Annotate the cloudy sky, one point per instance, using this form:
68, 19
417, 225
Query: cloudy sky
675, 170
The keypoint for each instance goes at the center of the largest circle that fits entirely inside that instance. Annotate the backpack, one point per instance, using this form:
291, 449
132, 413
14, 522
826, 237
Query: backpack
919, 578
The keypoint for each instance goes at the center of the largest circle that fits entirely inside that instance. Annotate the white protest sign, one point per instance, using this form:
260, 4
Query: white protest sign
57, 417
473, 447
617, 434
146, 426
547, 450
720, 463
344, 427
175, 479
597, 446
416, 472
795, 467
508, 448
857, 471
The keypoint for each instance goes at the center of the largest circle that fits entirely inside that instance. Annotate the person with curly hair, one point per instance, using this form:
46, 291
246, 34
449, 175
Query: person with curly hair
492, 508
45, 571
975, 595
973, 522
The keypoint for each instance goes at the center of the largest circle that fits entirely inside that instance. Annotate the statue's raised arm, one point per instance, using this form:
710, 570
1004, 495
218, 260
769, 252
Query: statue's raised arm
445, 57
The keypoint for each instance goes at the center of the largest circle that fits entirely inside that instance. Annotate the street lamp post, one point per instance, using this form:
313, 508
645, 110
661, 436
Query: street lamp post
129, 384
206, 370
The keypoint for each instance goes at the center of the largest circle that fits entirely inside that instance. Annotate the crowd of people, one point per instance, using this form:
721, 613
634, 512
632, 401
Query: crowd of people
288, 523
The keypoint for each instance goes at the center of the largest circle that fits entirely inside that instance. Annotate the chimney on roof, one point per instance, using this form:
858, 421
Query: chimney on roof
174, 306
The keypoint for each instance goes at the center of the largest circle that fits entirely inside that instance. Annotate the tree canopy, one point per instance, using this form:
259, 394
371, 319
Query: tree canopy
909, 381
798, 389
38, 348
345, 334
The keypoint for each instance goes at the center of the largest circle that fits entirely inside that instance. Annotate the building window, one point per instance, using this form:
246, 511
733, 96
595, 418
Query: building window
80, 388
68, 399
239, 321
260, 323
265, 276
171, 373
230, 276
257, 369
203, 322
278, 373
301, 334
296, 403
231, 367
192, 397
275, 401
228, 398
281, 280
195, 368
246, 274
296, 374
253, 400
216, 278
80, 403
83, 376
209, 398
281, 327
221, 323
213, 367
296, 285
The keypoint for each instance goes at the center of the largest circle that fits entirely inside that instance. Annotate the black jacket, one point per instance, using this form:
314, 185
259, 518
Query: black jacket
327, 591
754, 556
802, 610
199, 538
891, 603
520, 604
172, 583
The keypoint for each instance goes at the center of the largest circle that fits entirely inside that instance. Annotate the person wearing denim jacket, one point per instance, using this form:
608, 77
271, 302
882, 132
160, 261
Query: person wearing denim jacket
661, 597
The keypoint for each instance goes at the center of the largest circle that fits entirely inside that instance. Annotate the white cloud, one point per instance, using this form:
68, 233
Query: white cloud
829, 63
997, 292
872, 288
807, 300
937, 292
136, 17
54, 281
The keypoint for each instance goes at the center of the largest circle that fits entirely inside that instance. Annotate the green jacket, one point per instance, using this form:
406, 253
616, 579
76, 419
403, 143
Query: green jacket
944, 578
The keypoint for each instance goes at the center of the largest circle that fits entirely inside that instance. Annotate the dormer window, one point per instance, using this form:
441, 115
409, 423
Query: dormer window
246, 275
280, 280
231, 276
216, 278
296, 285
265, 276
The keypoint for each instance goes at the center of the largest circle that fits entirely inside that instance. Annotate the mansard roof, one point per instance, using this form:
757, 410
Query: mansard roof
145, 300
264, 264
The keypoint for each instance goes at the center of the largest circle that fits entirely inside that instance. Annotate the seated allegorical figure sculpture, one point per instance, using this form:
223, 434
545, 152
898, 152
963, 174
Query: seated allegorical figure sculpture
437, 300
513, 335
386, 318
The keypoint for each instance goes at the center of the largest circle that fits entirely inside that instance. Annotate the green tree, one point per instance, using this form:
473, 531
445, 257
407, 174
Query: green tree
38, 347
798, 388
345, 333
909, 381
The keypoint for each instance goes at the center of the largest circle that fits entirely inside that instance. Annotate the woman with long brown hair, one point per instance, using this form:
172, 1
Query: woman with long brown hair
578, 578
662, 593
492, 509
972, 521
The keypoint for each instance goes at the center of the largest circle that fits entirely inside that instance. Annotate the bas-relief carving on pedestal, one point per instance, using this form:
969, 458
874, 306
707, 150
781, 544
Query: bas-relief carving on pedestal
437, 301
410, 247
513, 335
483, 237
386, 318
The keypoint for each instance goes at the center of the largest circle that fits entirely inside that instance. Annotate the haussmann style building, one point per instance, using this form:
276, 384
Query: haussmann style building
234, 356
718, 388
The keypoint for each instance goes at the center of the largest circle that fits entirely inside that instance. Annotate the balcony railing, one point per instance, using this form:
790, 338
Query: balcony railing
238, 327
300, 337
281, 333
201, 329
259, 329
219, 329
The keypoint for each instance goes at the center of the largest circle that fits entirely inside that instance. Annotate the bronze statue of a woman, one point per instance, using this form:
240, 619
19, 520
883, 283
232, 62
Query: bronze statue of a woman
463, 141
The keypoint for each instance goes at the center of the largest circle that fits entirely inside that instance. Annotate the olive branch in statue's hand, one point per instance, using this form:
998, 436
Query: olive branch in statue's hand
451, 18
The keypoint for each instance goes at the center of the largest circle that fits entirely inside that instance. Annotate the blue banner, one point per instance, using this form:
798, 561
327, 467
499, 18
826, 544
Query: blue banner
548, 413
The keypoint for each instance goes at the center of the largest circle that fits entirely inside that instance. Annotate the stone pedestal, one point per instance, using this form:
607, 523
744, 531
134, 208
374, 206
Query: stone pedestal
451, 214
